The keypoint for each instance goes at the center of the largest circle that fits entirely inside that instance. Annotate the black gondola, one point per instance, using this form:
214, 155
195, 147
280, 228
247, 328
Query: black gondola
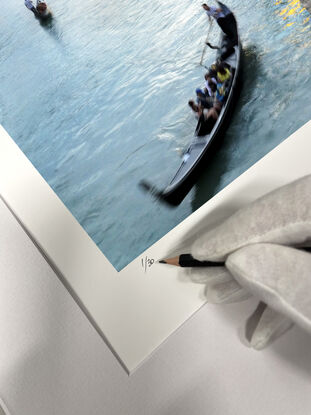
202, 147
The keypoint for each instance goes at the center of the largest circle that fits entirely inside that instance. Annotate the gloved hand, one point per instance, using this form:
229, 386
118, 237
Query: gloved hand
261, 246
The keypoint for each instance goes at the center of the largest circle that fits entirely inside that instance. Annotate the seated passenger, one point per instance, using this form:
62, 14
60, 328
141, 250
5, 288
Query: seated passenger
207, 120
197, 109
220, 93
223, 79
203, 98
213, 112
193, 106
216, 89
223, 73
210, 84
209, 117
212, 72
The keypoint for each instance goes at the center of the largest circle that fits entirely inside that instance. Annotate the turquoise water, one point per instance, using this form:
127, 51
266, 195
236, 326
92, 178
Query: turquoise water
98, 100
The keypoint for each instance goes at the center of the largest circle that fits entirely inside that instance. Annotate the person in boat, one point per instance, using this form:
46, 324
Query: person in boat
217, 78
223, 73
223, 81
208, 118
41, 10
210, 83
206, 96
226, 21
205, 115
211, 73
227, 51
196, 108
204, 99
224, 18
215, 86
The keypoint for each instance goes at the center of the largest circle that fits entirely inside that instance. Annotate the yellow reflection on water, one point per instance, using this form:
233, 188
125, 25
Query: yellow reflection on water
292, 9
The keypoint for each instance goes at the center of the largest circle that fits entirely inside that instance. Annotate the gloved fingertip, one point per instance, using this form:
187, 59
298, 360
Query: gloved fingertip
264, 326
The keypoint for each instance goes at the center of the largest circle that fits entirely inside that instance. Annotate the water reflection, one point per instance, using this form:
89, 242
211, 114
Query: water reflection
295, 11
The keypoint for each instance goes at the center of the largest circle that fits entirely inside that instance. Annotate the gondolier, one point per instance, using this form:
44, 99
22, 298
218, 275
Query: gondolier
224, 19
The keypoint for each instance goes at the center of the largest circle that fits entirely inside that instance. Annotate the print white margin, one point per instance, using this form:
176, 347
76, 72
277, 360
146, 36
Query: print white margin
136, 309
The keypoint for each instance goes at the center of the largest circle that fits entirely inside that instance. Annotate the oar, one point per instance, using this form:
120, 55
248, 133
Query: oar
206, 41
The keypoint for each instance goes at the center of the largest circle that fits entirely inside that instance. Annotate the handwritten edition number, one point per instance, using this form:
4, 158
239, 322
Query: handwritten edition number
146, 263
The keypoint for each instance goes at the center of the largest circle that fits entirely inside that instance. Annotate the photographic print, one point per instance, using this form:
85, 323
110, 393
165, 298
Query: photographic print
97, 96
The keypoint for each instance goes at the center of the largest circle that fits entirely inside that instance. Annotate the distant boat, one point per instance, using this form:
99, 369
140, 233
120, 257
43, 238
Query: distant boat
199, 152
44, 13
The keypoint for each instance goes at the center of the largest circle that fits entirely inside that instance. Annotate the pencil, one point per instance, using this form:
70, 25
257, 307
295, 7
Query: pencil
187, 260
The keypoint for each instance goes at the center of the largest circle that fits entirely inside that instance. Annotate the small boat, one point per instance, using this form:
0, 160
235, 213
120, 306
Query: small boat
44, 13
202, 147
41, 11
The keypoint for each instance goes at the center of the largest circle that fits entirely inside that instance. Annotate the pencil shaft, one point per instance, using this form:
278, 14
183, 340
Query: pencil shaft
187, 260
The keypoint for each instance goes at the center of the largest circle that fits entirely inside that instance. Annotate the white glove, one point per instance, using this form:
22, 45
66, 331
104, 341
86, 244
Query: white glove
255, 262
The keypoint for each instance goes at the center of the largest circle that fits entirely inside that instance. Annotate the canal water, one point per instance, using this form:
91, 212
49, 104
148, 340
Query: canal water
97, 100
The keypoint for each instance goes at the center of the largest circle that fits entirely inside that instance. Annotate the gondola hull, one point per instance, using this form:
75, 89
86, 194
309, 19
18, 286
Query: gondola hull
174, 194
201, 150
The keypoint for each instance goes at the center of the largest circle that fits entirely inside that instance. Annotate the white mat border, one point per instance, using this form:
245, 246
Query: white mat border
134, 311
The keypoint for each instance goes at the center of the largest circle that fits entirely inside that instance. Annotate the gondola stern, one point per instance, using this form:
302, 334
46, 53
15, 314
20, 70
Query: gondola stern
161, 195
